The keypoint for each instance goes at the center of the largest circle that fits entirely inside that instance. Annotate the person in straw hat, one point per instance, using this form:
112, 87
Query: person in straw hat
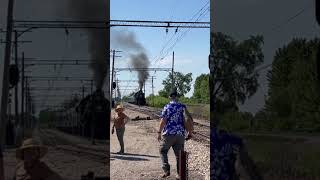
30, 167
120, 120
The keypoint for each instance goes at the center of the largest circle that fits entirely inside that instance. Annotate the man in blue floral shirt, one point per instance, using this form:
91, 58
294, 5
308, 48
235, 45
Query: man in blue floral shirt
172, 131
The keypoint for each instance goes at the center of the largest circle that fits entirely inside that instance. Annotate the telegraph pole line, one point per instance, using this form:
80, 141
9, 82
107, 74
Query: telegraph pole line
25, 107
82, 91
27, 104
22, 94
91, 86
152, 91
115, 91
112, 74
16, 88
172, 71
5, 83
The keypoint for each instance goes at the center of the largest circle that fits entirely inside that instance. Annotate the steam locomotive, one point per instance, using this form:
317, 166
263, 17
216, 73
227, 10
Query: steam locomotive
90, 118
138, 98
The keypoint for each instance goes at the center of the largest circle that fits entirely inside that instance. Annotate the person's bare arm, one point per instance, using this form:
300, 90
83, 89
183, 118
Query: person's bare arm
188, 114
127, 119
189, 123
161, 126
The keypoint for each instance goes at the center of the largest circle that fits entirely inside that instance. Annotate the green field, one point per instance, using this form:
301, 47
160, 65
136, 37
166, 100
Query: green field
285, 157
199, 111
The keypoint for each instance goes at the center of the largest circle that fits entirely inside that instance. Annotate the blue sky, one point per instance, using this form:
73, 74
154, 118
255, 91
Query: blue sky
191, 51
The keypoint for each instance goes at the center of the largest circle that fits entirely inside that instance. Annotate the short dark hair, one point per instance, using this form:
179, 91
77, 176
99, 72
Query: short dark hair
173, 93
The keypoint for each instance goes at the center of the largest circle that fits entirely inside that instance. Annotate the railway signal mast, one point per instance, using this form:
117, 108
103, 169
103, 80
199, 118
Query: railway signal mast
5, 83
317, 10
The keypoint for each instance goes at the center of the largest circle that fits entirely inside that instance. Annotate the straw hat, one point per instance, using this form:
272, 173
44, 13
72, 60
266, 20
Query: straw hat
119, 107
31, 143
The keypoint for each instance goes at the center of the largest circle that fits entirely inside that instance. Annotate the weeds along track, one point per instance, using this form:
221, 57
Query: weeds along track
201, 130
60, 144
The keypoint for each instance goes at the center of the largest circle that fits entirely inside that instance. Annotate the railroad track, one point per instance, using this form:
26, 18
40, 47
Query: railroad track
143, 109
201, 131
60, 144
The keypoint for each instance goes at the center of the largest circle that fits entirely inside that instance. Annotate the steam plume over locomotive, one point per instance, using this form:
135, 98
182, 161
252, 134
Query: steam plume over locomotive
141, 61
98, 38
94, 108
138, 56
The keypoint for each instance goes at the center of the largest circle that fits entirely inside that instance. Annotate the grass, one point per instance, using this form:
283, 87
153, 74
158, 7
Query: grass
284, 158
199, 111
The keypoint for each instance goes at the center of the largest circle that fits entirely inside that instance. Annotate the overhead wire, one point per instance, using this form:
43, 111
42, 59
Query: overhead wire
160, 56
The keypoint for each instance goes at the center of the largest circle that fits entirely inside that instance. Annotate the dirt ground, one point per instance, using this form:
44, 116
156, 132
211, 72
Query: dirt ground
141, 159
68, 165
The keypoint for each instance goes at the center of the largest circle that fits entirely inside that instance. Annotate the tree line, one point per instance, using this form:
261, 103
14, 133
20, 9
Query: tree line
293, 100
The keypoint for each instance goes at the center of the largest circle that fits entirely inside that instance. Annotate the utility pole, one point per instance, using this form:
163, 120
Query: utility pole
152, 91
22, 94
115, 91
118, 94
82, 91
172, 71
91, 86
16, 88
112, 74
25, 119
5, 83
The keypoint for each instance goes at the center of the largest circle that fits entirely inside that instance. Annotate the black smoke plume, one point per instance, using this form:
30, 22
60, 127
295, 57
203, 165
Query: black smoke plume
94, 10
141, 61
138, 56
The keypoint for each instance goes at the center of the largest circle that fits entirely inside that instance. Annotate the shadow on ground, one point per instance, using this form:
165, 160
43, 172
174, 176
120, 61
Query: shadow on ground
128, 158
131, 154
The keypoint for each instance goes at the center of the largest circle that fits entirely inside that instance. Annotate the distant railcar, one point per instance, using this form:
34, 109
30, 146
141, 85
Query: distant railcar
90, 118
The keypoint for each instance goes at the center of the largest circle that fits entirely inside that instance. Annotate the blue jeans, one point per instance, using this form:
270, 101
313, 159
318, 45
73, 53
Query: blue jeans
177, 144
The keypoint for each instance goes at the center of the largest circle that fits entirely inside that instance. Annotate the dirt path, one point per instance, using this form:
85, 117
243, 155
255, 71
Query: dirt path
70, 165
142, 158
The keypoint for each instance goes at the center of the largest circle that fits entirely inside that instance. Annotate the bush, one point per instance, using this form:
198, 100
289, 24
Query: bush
157, 101
236, 121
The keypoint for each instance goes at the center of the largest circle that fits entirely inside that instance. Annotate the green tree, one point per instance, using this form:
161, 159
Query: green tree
181, 81
201, 89
294, 99
233, 76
